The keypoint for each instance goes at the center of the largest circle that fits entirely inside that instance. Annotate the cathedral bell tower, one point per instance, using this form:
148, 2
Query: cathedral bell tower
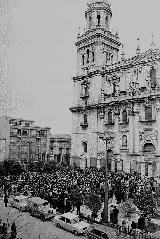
97, 46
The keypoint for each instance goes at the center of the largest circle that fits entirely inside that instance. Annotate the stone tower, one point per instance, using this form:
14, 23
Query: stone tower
96, 48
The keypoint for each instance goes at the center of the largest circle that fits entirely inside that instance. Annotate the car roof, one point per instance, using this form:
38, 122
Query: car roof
69, 215
37, 200
20, 197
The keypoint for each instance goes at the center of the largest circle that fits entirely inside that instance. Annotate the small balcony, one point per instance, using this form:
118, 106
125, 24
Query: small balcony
84, 125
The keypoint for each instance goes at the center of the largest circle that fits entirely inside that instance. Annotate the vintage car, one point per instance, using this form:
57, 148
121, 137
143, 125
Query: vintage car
71, 222
96, 233
40, 208
19, 202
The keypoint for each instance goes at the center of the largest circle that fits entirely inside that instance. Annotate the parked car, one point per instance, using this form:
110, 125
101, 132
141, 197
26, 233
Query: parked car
71, 222
19, 202
96, 233
40, 208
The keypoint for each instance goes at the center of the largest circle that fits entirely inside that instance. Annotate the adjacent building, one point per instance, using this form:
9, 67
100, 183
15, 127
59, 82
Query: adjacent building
60, 148
116, 100
27, 141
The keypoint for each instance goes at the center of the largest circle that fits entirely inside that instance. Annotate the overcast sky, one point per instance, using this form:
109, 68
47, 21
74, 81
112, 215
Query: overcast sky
43, 54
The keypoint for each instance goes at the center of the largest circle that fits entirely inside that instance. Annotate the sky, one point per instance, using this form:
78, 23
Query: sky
42, 52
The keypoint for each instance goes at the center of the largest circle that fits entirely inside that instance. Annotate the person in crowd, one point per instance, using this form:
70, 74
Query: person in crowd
13, 230
115, 215
5, 200
111, 214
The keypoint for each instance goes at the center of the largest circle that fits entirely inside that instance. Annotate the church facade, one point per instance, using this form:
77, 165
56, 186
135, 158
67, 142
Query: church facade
115, 97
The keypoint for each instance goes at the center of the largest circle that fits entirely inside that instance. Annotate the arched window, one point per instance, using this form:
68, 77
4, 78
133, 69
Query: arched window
99, 19
106, 20
93, 56
111, 59
85, 119
149, 147
83, 60
86, 90
153, 77
106, 57
84, 144
87, 56
124, 116
148, 113
90, 21
124, 141
110, 117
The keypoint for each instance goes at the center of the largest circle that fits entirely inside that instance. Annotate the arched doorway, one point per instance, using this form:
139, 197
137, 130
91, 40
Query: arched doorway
149, 159
109, 159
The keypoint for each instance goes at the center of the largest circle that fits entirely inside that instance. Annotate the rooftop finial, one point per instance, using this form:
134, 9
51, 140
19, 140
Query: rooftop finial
123, 53
138, 50
79, 32
153, 43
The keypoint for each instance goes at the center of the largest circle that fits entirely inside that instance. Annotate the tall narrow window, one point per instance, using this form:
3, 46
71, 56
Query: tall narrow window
106, 57
110, 117
87, 56
85, 119
114, 88
98, 19
148, 113
153, 77
93, 56
107, 21
111, 59
124, 141
124, 116
90, 22
84, 144
83, 60
86, 90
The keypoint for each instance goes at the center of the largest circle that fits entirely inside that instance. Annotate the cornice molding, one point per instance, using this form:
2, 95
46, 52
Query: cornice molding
114, 103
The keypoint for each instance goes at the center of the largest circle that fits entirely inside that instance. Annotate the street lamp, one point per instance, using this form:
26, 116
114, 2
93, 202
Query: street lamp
106, 139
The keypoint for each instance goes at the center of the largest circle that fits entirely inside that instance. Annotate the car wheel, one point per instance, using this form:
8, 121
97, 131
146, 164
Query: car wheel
42, 217
58, 225
75, 233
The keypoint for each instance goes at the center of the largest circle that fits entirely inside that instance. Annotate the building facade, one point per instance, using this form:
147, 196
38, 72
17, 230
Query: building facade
60, 148
28, 142
4, 138
115, 99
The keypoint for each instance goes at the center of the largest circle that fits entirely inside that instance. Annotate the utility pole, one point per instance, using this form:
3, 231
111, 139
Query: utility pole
106, 139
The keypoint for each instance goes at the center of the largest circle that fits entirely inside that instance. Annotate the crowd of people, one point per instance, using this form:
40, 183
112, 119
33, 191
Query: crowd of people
67, 187
69, 183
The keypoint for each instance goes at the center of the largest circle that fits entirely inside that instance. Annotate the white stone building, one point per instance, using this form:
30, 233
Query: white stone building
117, 97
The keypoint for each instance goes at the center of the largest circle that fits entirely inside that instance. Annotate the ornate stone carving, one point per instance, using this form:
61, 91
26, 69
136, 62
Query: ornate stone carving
148, 137
110, 143
157, 107
116, 110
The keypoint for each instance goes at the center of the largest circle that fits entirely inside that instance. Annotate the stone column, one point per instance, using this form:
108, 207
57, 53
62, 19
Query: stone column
136, 133
158, 126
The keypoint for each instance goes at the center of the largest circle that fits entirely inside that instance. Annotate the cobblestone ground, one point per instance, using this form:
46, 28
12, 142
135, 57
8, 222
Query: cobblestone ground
31, 228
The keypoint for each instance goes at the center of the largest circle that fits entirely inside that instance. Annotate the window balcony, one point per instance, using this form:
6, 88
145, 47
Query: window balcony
148, 121
109, 123
84, 125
